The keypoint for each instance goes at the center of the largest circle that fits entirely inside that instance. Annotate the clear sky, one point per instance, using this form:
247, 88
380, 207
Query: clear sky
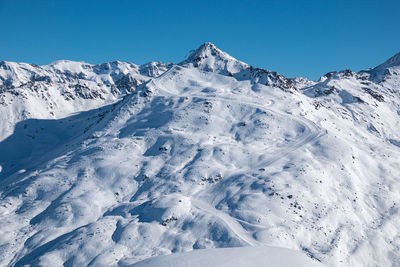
295, 38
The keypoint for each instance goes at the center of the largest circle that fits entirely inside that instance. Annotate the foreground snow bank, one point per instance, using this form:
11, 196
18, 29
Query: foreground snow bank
233, 257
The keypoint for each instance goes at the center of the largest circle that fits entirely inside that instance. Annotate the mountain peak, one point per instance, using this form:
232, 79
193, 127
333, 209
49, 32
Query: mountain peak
208, 45
391, 62
209, 58
386, 69
207, 50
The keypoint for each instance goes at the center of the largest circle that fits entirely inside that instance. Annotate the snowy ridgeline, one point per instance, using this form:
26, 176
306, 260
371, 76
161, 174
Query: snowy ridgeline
115, 163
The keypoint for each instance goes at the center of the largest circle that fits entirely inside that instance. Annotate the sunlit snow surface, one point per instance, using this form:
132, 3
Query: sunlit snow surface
232, 257
199, 158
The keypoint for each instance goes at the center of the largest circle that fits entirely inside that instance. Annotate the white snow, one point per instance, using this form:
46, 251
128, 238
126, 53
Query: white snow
112, 164
232, 257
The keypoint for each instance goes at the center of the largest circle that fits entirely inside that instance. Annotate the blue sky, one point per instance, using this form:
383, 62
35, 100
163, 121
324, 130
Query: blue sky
295, 38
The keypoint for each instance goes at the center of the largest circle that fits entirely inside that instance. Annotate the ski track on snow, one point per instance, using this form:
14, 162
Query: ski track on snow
199, 200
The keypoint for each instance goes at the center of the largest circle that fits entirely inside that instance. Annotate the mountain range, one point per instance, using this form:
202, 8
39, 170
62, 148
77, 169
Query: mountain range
112, 164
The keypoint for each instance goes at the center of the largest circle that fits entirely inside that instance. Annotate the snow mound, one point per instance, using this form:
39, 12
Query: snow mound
233, 257
164, 209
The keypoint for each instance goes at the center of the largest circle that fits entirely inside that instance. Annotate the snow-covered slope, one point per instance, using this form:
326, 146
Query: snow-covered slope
198, 156
232, 257
64, 87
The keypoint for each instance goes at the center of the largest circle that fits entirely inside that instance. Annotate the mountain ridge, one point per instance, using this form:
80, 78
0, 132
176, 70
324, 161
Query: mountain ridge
225, 64
112, 165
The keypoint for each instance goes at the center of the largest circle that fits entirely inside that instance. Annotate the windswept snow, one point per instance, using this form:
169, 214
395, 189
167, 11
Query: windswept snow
232, 257
115, 163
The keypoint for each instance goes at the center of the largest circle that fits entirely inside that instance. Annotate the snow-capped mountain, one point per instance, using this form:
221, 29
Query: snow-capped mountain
209, 58
111, 164
64, 87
